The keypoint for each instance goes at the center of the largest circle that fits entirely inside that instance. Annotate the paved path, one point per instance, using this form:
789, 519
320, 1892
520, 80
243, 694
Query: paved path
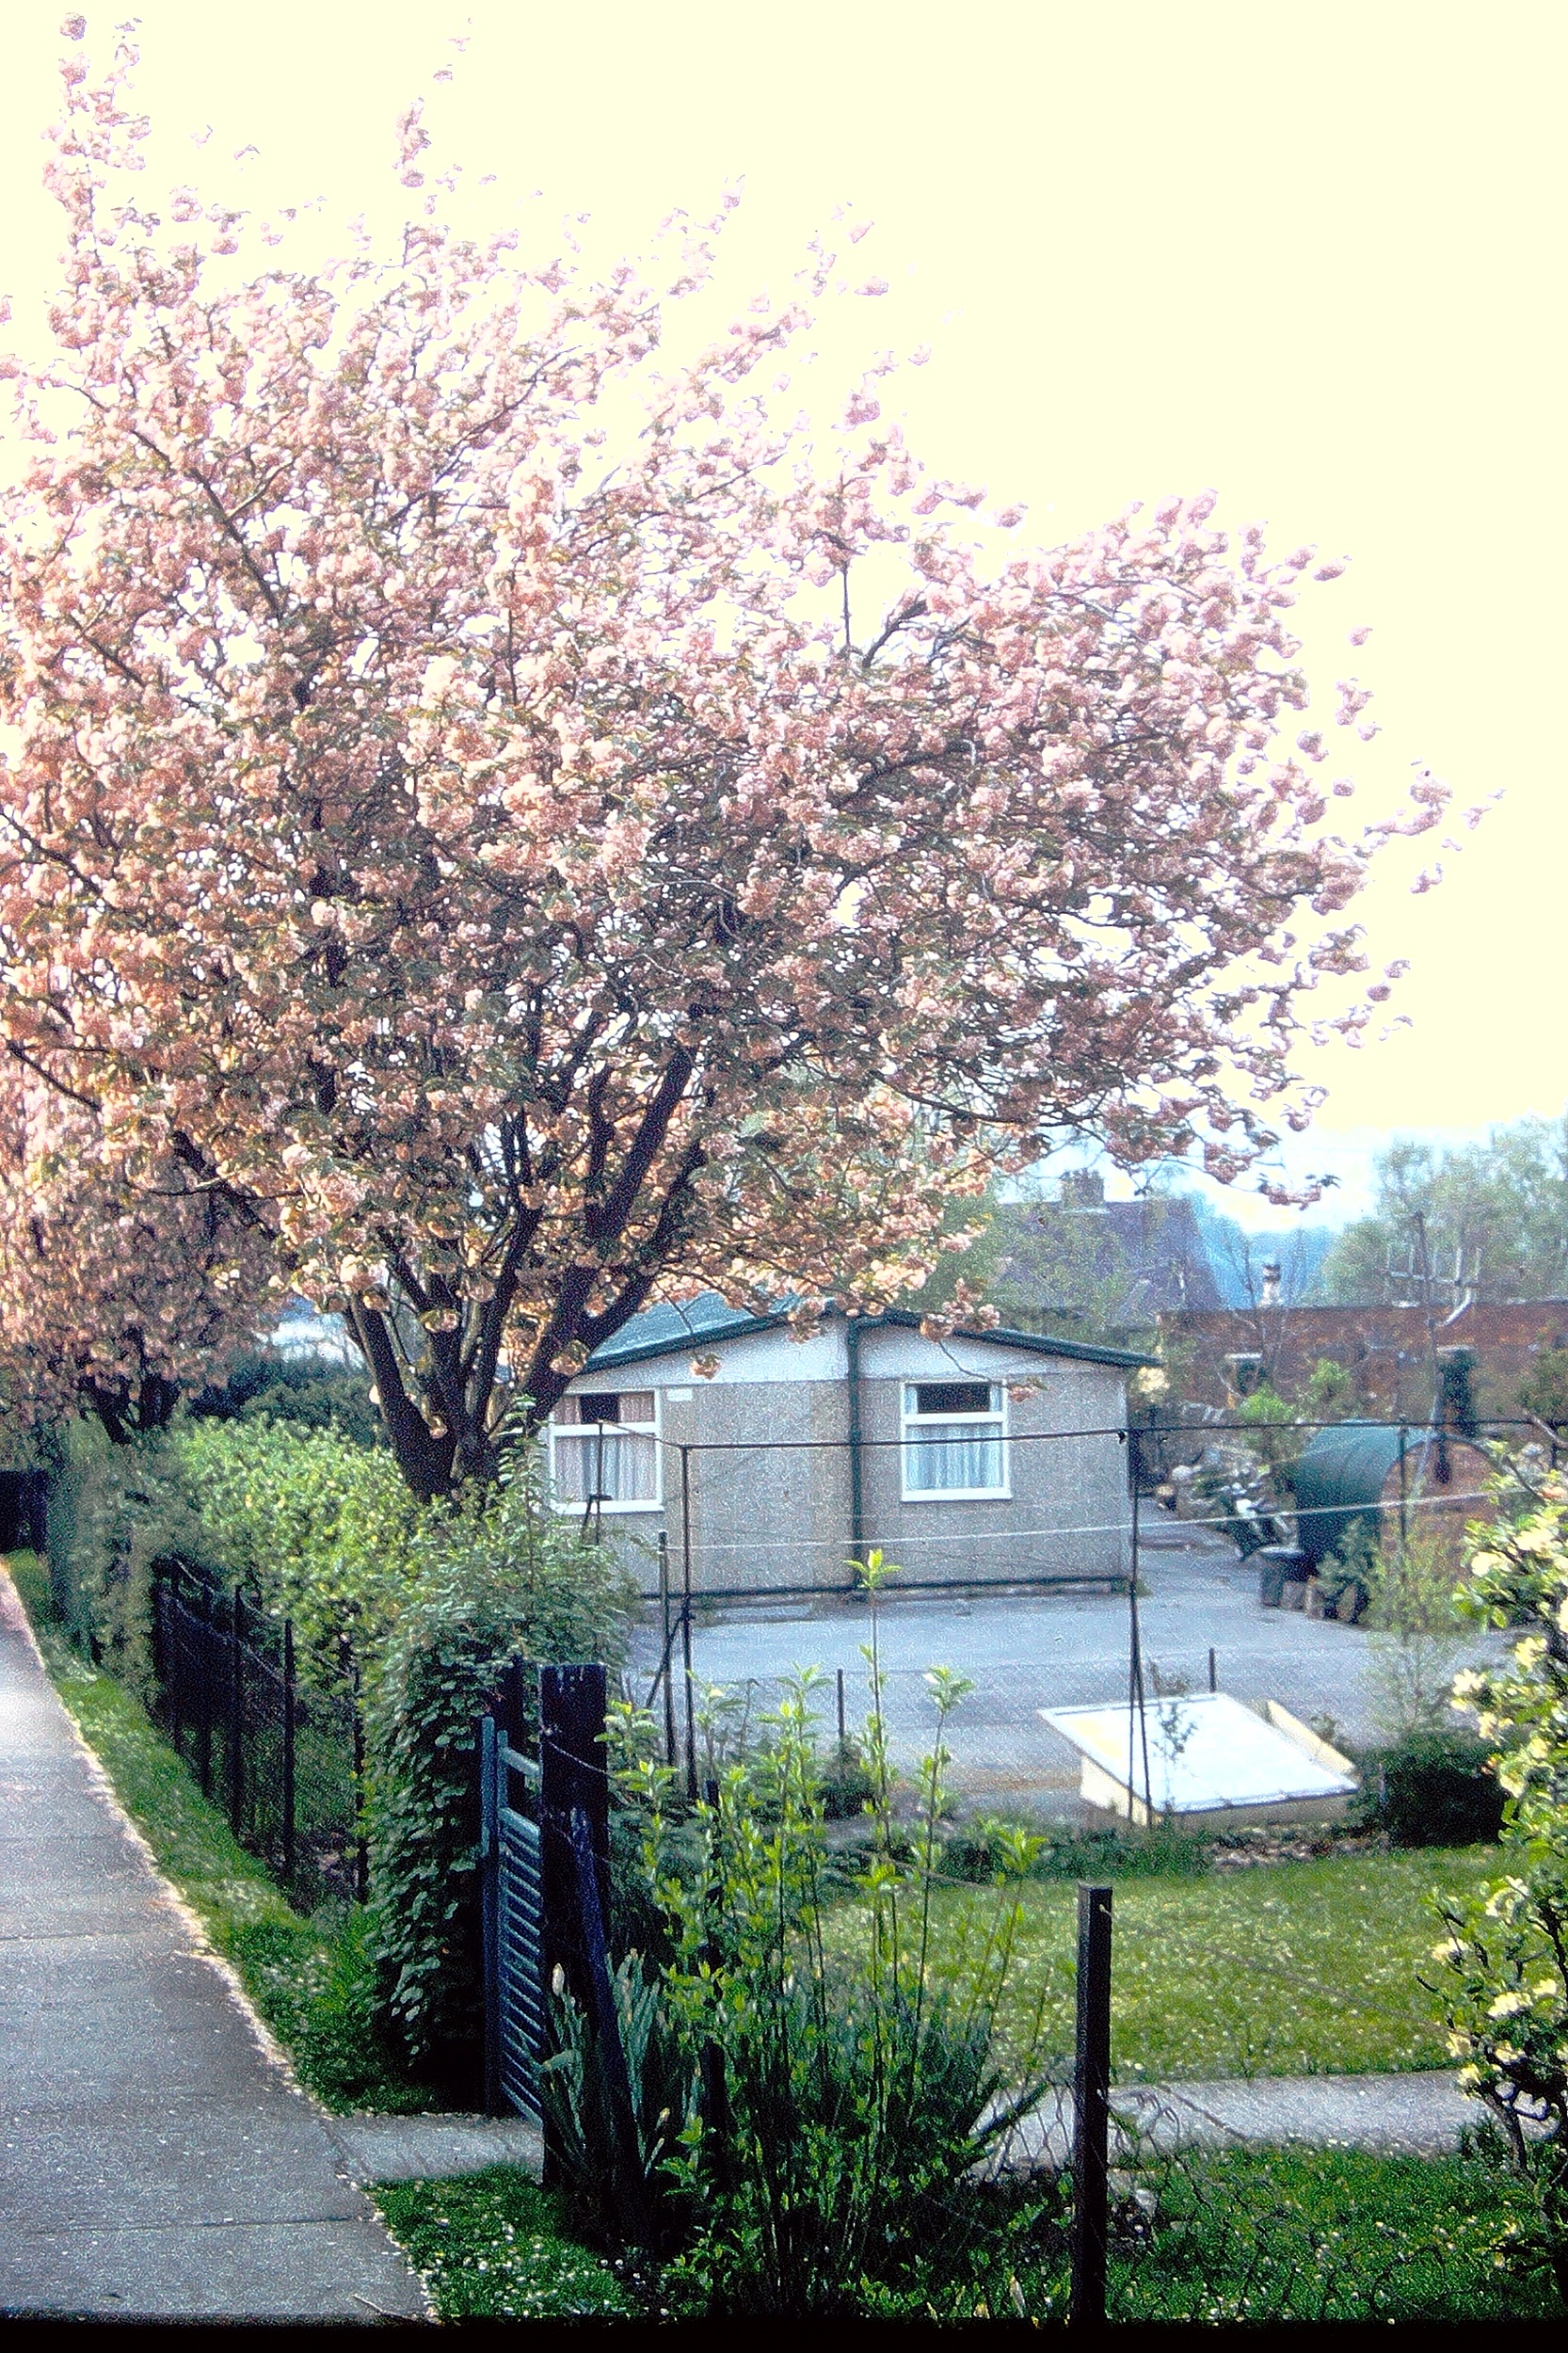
154, 2161
1417, 2115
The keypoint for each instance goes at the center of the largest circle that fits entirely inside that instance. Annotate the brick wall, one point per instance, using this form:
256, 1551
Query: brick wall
1385, 1349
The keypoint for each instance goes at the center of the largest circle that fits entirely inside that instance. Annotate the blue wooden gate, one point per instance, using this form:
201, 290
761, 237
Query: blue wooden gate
513, 1926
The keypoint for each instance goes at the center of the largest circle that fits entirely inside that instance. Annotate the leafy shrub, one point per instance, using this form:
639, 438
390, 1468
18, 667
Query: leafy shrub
1353, 1569
811, 2124
987, 1851
1418, 1631
1505, 1958
1271, 1438
1543, 1391
1329, 1392
323, 1529
307, 1394
505, 1578
847, 1786
115, 1512
1433, 1788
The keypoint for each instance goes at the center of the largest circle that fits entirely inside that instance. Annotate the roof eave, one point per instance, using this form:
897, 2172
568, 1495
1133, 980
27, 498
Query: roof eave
903, 1318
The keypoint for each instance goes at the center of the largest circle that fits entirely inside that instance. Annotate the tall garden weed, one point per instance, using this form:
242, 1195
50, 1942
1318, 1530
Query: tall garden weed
833, 2104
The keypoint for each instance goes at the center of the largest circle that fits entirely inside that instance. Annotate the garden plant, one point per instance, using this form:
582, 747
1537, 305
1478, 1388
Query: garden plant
1504, 1957
816, 2127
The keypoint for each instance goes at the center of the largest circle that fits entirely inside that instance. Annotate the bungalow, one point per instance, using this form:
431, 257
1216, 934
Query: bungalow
990, 1456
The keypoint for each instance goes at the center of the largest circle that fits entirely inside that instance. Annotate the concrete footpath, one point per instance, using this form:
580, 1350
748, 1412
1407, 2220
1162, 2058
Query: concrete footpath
1423, 2115
155, 2161
1419, 2115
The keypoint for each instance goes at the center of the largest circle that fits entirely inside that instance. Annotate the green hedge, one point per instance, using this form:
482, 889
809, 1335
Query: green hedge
325, 1530
511, 1581
114, 1511
426, 1603
1433, 1788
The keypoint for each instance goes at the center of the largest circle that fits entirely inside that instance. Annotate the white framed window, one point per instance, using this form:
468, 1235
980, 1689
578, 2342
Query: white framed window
954, 1440
604, 1450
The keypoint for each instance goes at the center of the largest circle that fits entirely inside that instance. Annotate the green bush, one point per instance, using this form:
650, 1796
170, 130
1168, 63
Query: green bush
1433, 1788
325, 1530
1353, 1568
114, 1511
986, 1851
505, 1580
1506, 1959
847, 1788
306, 1394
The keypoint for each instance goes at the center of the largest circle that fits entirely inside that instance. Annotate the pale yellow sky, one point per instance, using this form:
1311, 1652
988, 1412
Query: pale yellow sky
1308, 255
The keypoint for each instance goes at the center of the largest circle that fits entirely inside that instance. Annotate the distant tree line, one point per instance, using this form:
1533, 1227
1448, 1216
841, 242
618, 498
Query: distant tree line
1494, 1218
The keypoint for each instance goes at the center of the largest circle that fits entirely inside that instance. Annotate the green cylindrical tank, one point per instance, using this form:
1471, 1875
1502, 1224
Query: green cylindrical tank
1354, 1472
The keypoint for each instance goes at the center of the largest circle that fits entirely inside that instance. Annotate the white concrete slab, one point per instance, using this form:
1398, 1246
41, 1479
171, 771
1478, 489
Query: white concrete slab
1199, 1753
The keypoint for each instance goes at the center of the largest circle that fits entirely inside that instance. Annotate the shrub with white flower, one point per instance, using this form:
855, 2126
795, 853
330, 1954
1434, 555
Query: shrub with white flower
1505, 1958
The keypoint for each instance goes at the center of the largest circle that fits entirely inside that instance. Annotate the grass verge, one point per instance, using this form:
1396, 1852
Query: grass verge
307, 1978
493, 2247
1243, 2235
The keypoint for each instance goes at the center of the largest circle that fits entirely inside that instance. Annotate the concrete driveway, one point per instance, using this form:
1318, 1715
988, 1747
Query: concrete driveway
1024, 1652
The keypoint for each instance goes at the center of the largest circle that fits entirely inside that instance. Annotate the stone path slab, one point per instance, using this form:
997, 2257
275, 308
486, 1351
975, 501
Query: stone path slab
1418, 2114
1415, 2116
157, 2159
432, 2148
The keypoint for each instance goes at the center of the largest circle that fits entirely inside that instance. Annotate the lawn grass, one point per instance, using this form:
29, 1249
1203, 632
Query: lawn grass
1312, 2234
1298, 1968
493, 2247
1253, 2236
307, 1978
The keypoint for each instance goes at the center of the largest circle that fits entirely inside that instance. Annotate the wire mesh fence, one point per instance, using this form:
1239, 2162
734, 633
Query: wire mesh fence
1187, 1593
282, 1757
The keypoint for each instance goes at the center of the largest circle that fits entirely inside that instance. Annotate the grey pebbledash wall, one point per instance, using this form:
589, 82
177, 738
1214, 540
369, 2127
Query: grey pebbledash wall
769, 1467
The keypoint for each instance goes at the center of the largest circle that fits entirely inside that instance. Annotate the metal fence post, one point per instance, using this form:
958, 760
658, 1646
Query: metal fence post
1091, 2104
612, 2051
288, 1749
160, 1653
490, 1912
361, 1846
667, 1635
236, 1712
686, 1619
572, 1778
204, 1692
572, 1774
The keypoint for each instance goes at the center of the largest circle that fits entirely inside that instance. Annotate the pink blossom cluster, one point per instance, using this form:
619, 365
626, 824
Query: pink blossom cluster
462, 806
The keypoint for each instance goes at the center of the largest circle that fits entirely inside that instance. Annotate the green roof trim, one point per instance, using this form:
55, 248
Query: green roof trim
710, 1321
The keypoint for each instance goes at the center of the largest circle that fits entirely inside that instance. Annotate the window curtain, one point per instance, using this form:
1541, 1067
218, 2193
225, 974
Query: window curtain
939, 1459
630, 1471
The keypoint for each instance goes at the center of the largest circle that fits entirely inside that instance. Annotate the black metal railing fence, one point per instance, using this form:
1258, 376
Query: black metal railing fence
283, 1756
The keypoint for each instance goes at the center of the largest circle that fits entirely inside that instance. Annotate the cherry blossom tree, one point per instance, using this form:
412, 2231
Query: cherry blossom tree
535, 829
113, 1297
